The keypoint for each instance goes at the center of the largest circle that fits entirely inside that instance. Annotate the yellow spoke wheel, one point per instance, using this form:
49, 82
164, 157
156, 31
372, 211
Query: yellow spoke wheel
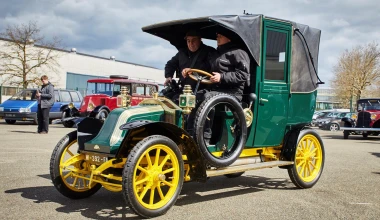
63, 174
153, 176
308, 159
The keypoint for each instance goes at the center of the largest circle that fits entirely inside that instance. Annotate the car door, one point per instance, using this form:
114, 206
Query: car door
273, 88
55, 109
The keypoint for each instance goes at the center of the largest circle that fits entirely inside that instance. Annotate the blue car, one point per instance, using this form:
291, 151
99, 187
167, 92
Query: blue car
23, 105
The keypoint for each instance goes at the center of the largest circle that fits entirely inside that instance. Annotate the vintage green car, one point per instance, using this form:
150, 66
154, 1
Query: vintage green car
147, 152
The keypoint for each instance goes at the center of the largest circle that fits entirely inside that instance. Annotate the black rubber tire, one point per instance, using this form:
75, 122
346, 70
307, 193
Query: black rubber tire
10, 122
55, 175
67, 124
292, 170
365, 135
346, 134
200, 119
102, 115
234, 175
128, 173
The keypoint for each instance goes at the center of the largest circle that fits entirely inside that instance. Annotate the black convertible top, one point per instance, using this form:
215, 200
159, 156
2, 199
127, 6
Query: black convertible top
247, 31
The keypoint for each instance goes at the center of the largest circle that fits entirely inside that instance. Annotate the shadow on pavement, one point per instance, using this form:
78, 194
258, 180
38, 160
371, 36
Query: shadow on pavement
30, 132
105, 204
375, 154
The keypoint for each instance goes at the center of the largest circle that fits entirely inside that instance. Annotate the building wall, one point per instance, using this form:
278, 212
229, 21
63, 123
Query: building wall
84, 66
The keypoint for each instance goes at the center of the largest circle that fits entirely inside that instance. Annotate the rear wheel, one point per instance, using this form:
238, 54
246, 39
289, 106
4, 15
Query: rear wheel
309, 160
334, 127
11, 122
68, 172
153, 176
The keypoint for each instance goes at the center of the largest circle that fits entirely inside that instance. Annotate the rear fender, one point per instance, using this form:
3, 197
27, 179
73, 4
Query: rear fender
290, 144
97, 110
138, 130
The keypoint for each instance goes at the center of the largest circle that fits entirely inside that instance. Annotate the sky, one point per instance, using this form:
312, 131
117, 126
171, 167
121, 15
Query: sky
113, 28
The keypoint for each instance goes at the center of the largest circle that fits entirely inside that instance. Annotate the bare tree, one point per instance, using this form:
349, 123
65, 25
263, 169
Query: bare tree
357, 70
25, 55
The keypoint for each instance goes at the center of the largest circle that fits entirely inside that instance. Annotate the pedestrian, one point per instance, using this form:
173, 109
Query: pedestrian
46, 100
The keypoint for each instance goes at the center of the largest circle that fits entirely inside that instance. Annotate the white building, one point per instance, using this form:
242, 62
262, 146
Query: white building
76, 68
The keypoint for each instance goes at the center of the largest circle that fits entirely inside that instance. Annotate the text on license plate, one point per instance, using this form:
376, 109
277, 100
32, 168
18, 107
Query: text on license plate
96, 158
10, 115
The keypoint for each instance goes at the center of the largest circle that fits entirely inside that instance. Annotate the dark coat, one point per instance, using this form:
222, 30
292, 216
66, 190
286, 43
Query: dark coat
184, 58
47, 95
233, 65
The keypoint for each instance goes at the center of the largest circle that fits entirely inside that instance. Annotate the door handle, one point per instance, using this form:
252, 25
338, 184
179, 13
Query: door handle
263, 100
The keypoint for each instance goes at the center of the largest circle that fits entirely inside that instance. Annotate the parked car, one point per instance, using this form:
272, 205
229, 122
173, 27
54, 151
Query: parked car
333, 121
101, 97
23, 105
367, 119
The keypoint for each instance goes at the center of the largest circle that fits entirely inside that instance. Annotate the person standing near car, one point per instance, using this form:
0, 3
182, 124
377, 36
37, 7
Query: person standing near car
196, 56
46, 99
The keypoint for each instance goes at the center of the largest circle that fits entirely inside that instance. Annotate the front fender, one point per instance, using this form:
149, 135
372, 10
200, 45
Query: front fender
97, 110
348, 122
185, 143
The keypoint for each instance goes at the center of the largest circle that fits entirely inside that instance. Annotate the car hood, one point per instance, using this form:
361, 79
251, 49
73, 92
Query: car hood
16, 104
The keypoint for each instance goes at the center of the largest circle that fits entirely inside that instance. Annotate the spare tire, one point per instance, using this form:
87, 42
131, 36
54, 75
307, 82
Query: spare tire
231, 153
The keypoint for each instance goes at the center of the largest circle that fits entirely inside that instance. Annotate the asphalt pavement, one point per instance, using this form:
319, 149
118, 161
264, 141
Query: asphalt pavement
349, 187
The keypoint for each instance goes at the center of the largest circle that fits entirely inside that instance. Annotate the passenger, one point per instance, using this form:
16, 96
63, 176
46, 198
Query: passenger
196, 55
230, 69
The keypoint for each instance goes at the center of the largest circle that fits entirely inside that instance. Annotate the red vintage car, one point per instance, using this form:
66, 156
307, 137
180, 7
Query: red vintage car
101, 97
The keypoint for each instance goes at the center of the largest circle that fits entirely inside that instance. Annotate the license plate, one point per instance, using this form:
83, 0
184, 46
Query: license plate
10, 115
96, 158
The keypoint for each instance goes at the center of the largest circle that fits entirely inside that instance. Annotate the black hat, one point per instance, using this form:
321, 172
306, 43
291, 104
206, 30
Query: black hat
225, 32
193, 33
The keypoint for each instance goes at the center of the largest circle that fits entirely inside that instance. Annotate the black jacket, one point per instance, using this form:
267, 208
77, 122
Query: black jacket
233, 65
184, 58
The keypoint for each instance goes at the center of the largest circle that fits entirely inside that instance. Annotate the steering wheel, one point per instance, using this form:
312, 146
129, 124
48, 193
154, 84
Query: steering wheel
193, 74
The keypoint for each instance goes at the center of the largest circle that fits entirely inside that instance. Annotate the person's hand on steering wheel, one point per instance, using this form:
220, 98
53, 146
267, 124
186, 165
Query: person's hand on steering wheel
185, 72
215, 78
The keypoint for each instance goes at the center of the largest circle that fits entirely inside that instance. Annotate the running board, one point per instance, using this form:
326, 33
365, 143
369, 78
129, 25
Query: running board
246, 167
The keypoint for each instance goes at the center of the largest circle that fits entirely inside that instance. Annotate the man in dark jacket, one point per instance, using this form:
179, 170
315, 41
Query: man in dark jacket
230, 68
231, 73
45, 102
196, 56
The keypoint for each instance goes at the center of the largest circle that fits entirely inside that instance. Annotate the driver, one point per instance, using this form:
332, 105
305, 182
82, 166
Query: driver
196, 56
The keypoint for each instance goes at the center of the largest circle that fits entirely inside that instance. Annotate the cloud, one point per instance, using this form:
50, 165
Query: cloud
106, 28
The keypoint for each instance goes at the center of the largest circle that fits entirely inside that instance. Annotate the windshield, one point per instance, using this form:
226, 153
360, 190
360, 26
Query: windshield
365, 105
27, 94
99, 88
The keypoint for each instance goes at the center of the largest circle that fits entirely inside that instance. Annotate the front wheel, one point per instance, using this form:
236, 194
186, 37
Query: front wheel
66, 124
153, 176
69, 173
309, 160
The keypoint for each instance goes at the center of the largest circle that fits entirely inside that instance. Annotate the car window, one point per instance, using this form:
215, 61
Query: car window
75, 96
137, 89
24, 95
65, 96
56, 96
150, 89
